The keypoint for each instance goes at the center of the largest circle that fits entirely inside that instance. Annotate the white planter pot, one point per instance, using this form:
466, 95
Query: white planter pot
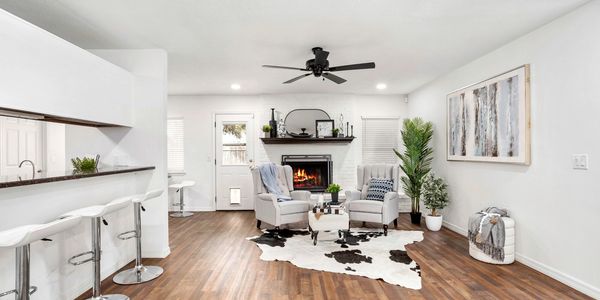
433, 223
266, 135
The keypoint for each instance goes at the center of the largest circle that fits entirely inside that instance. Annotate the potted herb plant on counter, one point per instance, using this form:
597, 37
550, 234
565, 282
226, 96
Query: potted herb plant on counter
85, 164
334, 190
435, 197
266, 129
415, 161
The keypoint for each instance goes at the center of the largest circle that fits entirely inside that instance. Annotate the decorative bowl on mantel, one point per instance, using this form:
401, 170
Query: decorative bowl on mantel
304, 134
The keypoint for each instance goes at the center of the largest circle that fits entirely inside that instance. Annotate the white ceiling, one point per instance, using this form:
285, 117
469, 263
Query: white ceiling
212, 44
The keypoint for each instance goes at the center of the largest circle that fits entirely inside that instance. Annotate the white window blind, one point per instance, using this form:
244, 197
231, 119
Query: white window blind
379, 137
175, 151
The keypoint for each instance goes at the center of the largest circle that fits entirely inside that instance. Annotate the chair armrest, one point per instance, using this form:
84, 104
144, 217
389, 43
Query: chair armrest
300, 195
391, 196
352, 195
390, 207
268, 198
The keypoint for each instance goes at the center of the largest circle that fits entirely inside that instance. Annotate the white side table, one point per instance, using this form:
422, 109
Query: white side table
331, 222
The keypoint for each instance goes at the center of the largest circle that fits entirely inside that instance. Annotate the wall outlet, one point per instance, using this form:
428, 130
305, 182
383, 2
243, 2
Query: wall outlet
580, 161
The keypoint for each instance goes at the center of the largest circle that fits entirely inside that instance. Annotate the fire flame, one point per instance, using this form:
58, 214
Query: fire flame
304, 178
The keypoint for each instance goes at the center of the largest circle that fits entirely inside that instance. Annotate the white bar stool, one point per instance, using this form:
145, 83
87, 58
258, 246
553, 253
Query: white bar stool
20, 238
95, 214
139, 273
180, 187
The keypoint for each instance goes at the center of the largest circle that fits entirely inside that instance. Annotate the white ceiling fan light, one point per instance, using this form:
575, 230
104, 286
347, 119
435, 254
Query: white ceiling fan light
381, 86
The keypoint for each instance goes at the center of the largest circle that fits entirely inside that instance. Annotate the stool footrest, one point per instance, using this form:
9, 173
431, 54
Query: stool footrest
77, 263
127, 235
32, 290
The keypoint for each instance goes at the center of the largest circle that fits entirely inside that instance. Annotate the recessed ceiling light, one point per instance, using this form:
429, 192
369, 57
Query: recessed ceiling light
381, 86
235, 86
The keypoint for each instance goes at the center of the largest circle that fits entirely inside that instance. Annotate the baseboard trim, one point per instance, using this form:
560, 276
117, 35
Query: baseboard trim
193, 208
455, 228
569, 280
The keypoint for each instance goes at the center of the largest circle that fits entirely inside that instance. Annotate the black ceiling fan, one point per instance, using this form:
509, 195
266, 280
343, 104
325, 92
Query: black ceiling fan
319, 66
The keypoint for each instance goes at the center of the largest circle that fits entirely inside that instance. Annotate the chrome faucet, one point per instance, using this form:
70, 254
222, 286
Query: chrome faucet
32, 167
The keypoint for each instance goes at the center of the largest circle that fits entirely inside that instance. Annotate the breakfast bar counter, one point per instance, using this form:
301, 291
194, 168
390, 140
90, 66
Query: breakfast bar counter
45, 177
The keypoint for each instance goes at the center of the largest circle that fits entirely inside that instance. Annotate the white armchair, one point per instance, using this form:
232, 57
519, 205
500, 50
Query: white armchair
266, 207
382, 212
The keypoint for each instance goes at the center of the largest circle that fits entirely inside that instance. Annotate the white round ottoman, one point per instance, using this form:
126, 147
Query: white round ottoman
509, 246
331, 222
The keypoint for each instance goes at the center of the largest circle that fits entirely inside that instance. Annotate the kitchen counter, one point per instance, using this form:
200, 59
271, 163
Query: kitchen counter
45, 177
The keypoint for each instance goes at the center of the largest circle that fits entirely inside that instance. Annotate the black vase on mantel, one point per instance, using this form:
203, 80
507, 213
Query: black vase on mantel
273, 124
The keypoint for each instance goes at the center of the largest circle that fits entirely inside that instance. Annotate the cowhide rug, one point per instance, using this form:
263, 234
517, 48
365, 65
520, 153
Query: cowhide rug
366, 252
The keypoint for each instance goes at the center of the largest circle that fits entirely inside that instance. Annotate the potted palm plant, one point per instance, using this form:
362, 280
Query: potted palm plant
415, 161
435, 197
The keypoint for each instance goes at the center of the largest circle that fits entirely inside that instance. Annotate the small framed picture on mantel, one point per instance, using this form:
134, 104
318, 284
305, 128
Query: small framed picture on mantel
324, 128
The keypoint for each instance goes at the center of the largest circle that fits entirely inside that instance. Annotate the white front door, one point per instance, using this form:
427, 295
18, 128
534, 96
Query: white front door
20, 139
234, 143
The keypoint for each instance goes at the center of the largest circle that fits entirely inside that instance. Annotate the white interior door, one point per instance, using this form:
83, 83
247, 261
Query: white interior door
234, 143
20, 139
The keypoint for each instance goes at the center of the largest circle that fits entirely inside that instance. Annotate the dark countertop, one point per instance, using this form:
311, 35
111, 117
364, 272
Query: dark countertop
44, 177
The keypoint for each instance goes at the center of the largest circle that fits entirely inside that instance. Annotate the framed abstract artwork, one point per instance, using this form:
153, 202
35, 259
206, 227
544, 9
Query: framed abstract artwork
489, 121
324, 128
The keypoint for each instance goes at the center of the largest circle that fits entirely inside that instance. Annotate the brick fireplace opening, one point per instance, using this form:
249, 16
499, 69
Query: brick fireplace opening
311, 172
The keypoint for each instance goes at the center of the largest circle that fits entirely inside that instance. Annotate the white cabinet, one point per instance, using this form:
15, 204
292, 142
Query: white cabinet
45, 74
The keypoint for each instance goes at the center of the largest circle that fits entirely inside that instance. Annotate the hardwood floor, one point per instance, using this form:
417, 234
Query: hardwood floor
211, 259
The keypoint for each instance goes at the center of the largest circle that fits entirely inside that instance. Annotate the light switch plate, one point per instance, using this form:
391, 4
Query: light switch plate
580, 161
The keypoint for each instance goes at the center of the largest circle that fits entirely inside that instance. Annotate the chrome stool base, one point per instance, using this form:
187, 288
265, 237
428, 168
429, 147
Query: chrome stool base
110, 297
181, 214
137, 275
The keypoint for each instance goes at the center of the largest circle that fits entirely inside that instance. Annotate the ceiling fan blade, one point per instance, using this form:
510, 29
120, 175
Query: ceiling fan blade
334, 78
321, 57
370, 65
281, 67
297, 78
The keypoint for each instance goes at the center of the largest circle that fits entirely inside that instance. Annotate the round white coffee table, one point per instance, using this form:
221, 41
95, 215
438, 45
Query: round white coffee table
328, 222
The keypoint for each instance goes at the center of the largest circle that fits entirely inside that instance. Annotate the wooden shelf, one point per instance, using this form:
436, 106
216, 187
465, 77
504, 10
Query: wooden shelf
291, 140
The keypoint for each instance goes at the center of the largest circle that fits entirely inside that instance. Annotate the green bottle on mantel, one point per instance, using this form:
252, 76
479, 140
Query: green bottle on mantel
273, 124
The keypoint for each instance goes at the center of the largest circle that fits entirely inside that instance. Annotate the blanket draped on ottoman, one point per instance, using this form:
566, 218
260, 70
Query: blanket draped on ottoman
486, 231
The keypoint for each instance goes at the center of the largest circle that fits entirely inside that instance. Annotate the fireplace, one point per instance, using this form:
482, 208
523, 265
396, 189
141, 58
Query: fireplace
311, 172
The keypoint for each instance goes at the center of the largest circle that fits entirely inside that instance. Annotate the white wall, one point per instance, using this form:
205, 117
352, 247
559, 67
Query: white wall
142, 145
554, 206
43, 73
198, 113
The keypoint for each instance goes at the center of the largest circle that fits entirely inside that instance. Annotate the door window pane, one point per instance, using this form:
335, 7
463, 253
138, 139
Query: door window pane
234, 144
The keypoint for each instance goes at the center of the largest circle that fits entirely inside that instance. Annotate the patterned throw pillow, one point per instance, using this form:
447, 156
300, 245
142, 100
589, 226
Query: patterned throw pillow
378, 187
